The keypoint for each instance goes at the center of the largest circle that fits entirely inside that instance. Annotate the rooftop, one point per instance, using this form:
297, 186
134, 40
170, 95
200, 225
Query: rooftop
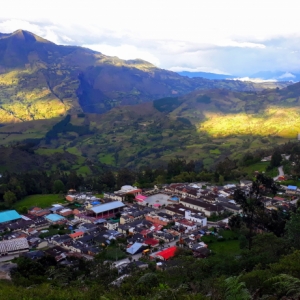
9, 215
13, 245
107, 206
168, 253
54, 217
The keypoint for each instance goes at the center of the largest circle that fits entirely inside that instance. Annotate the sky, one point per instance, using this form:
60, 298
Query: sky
235, 37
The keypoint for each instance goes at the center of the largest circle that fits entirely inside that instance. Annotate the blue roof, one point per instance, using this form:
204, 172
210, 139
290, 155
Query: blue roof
54, 217
9, 215
292, 187
134, 248
107, 206
95, 202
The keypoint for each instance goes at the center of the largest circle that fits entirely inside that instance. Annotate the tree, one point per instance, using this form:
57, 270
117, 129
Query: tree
58, 186
236, 290
253, 210
293, 229
9, 198
276, 159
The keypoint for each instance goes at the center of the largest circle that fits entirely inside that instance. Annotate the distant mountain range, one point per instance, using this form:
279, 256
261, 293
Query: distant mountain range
206, 75
42, 80
263, 75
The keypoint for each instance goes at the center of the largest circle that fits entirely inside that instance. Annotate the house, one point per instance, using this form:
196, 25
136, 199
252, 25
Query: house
229, 205
76, 235
37, 211
153, 218
55, 218
57, 252
151, 242
165, 236
114, 196
165, 254
140, 198
128, 189
55, 208
136, 248
111, 225
188, 225
207, 208
195, 217
66, 212
291, 190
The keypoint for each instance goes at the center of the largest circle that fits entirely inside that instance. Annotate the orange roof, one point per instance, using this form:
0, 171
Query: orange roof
76, 234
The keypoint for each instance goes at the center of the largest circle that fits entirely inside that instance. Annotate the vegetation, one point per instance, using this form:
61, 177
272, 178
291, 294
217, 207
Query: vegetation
39, 200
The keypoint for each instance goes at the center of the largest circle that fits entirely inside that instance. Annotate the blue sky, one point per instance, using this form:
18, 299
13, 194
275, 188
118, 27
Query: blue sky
223, 36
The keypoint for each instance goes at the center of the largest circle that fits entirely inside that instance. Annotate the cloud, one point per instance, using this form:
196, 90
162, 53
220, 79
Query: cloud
125, 52
287, 75
199, 69
229, 36
258, 80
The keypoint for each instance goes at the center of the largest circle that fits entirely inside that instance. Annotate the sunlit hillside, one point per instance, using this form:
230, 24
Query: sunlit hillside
275, 121
42, 80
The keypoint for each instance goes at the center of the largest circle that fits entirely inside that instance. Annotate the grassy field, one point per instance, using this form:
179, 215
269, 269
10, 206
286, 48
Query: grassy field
42, 201
260, 167
230, 246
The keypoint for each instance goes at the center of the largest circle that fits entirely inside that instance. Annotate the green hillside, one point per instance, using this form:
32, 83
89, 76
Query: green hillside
42, 80
206, 126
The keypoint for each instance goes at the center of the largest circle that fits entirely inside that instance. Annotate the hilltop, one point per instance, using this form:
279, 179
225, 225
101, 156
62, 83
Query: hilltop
42, 80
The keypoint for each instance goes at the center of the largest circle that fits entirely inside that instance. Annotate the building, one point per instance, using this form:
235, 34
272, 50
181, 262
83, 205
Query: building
188, 225
195, 217
128, 189
55, 218
107, 209
115, 196
14, 246
291, 190
8, 216
111, 225
207, 208
38, 212
153, 218
76, 235
66, 212
165, 254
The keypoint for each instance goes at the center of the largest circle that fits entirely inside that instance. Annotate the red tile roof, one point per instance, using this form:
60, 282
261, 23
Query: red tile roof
152, 242
76, 234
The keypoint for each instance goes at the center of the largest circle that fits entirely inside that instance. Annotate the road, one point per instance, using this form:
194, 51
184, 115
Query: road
281, 173
8, 257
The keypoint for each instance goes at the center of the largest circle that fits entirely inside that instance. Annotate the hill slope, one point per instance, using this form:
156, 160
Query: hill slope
203, 125
41, 80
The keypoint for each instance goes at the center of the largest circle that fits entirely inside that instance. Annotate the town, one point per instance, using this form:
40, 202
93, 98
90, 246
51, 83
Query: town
131, 226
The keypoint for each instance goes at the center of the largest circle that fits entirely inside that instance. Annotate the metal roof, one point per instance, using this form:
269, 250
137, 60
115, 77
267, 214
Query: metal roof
9, 215
107, 206
54, 217
13, 245
134, 248
292, 187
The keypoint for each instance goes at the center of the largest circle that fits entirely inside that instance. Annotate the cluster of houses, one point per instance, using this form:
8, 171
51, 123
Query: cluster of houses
175, 215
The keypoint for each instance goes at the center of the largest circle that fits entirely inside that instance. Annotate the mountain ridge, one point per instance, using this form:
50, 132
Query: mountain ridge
39, 80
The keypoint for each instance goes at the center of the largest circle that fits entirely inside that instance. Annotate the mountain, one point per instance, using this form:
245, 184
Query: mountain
206, 75
42, 80
278, 75
204, 125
